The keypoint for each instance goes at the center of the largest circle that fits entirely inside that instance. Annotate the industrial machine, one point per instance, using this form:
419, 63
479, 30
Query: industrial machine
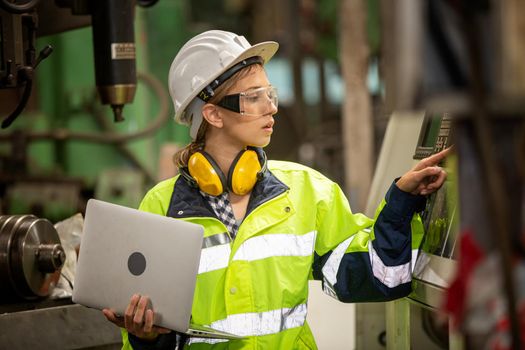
409, 137
31, 257
436, 264
31, 252
113, 41
458, 63
56, 193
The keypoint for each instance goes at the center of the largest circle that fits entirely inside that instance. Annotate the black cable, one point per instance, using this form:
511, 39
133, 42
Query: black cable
21, 105
18, 8
27, 74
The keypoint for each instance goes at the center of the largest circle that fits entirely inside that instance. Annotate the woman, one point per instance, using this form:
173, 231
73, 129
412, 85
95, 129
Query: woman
271, 226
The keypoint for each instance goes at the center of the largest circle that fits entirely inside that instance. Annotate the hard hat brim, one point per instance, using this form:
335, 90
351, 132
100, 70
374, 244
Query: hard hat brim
266, 50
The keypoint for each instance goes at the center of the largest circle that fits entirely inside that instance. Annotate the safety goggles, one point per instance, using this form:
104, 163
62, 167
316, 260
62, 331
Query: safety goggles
254, 102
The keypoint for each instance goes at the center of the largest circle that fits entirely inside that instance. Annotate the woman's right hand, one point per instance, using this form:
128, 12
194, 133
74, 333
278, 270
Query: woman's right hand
138, 319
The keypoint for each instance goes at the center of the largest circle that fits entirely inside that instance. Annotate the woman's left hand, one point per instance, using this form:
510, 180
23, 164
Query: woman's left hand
426, 177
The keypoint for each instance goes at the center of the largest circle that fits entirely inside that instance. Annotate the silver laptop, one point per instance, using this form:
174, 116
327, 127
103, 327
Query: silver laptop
126, 251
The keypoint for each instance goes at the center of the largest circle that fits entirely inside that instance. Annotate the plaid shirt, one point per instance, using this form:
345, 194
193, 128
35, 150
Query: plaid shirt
223, 209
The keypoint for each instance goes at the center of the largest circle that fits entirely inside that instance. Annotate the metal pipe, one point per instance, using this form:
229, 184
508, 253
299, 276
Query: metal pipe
110, 137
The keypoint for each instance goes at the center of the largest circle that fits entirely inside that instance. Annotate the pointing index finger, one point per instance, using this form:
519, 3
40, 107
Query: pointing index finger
433, 159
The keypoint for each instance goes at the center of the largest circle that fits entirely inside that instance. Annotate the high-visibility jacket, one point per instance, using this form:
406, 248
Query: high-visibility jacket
298, 226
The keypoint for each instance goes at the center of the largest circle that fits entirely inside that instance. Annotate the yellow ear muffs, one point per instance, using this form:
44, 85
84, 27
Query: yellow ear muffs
206, 173
243, 173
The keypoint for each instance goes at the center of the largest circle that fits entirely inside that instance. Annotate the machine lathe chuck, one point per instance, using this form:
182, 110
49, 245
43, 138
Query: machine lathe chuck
31, 257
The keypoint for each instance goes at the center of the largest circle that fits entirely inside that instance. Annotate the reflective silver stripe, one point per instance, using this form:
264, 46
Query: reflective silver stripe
262, 323
218, 239
329, 289
331, 267
206, 340
214, 258
265, 246
415, 254
390, 276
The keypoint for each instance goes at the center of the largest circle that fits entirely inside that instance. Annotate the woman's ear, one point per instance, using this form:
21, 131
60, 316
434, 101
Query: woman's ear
211, 113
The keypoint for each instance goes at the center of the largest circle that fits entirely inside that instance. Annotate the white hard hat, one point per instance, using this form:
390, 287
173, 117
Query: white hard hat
198, 65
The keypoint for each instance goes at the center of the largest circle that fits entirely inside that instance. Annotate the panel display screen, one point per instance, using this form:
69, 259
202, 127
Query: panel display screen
439, 217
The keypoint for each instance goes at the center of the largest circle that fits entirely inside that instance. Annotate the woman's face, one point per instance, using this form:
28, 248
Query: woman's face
248, 130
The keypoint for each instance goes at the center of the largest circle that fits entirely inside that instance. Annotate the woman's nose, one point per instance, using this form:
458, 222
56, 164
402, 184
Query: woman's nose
273, 108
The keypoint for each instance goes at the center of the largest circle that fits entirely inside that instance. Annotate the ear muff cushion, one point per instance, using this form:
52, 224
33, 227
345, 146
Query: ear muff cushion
206, 173
243, 172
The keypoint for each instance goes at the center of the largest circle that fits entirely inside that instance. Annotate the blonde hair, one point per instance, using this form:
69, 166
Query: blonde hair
181, 157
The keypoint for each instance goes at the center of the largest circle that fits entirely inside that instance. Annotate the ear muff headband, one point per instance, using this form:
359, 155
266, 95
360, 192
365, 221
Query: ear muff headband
206, 173
244, 172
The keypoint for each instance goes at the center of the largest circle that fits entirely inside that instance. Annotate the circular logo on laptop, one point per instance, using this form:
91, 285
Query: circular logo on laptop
136, 263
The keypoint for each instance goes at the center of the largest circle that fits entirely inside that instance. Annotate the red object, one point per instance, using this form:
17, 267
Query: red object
470, 256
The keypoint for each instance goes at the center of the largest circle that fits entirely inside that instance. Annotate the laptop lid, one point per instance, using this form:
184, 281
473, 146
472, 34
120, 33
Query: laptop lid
126, 251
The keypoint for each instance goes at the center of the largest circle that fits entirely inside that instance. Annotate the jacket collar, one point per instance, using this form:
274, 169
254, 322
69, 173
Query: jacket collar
186, 201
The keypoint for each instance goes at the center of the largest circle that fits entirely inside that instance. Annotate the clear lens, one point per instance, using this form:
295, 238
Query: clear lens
258, 101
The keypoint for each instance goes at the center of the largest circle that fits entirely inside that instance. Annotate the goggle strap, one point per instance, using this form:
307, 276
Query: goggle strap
207, 93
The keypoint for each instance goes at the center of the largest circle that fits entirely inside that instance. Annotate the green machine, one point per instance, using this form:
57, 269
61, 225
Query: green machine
59, 145
63, 148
